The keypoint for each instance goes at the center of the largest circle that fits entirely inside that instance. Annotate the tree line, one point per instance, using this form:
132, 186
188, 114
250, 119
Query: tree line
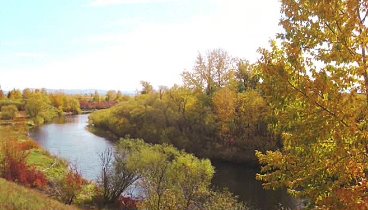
219, 112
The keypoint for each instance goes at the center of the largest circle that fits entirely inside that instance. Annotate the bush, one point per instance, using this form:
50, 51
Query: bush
8, 112
115, 177
14, 166
68, 187
18, 103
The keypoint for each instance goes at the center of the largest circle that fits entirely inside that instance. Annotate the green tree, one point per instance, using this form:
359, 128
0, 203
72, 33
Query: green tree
39, 108
316, 82
171, 179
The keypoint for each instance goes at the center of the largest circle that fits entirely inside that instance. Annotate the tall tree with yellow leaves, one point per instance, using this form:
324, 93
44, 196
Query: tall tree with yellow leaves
315, 79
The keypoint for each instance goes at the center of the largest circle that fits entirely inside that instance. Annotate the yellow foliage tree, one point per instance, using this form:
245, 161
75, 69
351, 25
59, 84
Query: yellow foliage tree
315, 79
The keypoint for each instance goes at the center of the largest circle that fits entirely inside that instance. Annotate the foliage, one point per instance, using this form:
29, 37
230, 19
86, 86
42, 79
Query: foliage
65, 103
15, 94
222, 200
7, 102
38, 107
14, 166
218, 113
211, 72
8, 112
147, 88
69, 186
170, 179
315, 80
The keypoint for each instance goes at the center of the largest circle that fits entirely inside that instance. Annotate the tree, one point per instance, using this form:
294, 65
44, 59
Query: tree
26, 93
39, 108
173, 179
246, 76
115, 177
96, 97
15, 94
210, 73
111, 95
224, 103
147, 88
316, 82
2, 95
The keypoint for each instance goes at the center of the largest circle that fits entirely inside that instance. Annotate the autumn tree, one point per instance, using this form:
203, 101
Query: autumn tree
210, 72
147, 88
26, 93
315, 79
111, 95
246, 76
96, 97
224, 102
39, 108
2, 95
15, 94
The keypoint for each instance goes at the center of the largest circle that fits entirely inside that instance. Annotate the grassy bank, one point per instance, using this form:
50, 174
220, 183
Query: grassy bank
15, 197
14, 138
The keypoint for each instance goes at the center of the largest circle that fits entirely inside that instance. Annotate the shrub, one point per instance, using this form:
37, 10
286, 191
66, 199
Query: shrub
68, 187
14, 166
28, 145
8, 112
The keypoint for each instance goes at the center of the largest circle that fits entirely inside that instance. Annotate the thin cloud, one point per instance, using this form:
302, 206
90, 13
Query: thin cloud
102, 3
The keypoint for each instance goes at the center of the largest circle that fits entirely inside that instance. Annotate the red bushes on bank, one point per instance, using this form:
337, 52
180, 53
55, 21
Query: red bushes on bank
88, 105
14, 165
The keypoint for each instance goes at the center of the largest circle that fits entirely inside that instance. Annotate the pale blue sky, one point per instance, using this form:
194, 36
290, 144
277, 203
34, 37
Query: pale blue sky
113, 44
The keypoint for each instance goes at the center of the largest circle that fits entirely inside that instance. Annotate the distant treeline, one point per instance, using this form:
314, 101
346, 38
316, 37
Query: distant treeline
41, 106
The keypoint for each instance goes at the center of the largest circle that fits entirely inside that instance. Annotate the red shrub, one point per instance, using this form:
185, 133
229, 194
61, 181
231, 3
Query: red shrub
87, 105
15, 168
27, 145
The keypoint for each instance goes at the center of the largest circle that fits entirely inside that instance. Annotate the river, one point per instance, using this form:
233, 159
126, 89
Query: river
69, 139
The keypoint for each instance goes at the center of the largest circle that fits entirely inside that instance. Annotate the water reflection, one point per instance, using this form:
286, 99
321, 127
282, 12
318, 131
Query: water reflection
240, 180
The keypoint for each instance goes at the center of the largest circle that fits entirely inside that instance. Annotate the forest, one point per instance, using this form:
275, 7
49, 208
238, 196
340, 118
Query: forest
299, 114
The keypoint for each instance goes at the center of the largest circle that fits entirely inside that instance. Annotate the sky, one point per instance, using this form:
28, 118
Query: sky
115, 44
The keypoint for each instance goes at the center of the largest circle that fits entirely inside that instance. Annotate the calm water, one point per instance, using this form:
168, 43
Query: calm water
69, 139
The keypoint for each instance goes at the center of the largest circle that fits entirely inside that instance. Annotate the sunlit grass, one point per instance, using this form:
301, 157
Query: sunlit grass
15, 197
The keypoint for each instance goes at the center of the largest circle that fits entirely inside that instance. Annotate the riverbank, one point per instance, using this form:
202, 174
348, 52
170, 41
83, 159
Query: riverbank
28, 165
64, 139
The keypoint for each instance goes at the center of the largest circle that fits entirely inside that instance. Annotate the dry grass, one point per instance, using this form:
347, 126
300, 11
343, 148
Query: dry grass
16, 197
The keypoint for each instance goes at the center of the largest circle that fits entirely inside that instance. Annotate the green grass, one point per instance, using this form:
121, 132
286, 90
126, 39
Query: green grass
15, 197
51, 166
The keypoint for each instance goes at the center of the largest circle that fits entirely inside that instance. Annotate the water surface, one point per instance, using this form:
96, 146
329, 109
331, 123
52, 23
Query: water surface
69, 139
